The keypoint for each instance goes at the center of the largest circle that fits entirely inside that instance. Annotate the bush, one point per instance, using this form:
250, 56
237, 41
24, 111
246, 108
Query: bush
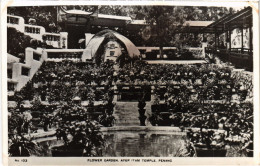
86, 138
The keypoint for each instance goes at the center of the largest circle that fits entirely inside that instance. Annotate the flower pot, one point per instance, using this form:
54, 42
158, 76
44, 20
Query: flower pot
142, 120
141, 112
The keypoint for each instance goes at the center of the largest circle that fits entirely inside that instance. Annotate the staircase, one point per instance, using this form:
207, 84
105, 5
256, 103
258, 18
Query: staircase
126, 113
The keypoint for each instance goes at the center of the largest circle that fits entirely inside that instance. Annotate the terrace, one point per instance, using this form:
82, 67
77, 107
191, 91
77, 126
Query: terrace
236, 44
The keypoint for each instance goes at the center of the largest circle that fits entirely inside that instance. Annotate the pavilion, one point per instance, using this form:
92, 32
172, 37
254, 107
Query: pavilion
237, 46
78, 23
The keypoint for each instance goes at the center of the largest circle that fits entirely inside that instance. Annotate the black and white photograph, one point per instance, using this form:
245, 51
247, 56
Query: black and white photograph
130, 81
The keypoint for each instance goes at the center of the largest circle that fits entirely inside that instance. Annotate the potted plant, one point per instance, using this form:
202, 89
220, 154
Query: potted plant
107, 120
21, 146
85, 140
205, 145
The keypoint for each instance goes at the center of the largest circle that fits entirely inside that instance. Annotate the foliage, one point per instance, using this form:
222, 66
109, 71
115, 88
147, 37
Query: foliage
17, 42
45, 16
21, 146
155, 119
165, 20
107, 120
85, 135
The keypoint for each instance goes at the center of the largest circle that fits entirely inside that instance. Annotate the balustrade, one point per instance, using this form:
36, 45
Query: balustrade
34, 30
57, 40
11, 86
52, 37
240, 57
12, 20
64, 55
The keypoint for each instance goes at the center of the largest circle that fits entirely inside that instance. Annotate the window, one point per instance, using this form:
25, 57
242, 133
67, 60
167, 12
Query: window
36, 56
25, 71
112, 45
26, 29
9, 73
10, 86
112, 53
12, 20
38, 30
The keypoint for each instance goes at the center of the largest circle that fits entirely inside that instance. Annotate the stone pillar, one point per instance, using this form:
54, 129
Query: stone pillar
242, 39
28, 56
152, 93
116, 94
229, 40
16, 71
21, 24
64, 39
44, 55
204, 45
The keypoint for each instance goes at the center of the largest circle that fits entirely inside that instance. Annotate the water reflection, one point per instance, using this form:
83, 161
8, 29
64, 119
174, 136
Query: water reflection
132, 144
129, 144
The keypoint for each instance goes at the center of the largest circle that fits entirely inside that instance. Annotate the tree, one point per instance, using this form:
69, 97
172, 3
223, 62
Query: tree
165, 21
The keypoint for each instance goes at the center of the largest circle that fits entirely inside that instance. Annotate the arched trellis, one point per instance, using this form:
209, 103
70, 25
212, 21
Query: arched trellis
102, 38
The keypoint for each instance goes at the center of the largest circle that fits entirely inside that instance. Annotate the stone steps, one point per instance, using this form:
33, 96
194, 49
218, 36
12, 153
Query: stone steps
126, 113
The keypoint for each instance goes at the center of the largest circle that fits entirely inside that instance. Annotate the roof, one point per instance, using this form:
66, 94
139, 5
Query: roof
140, 22
193, 26
198, 23
81, 12
114, 17
78, 12
242, 18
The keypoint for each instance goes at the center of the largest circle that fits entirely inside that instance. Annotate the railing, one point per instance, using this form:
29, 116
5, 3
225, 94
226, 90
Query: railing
12, 20
241, 58
15, 22
224, 50
57, 40
21, 73
32, 29
196, 52
60, 54
169, 53
240, 50
64, 55
11, 86
53, 39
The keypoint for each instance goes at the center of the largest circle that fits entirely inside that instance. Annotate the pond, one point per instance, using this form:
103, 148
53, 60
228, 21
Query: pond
132, 144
